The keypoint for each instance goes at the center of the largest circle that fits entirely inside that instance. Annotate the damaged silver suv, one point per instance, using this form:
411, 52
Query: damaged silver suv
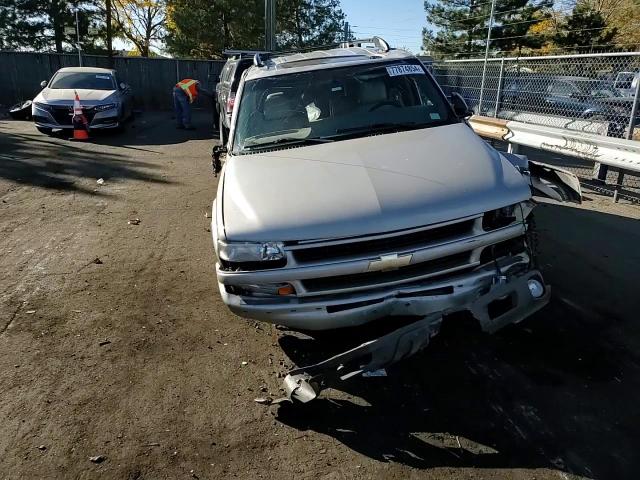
353, 190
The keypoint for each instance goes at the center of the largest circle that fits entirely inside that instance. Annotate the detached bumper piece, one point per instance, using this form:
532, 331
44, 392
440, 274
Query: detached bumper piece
509, 300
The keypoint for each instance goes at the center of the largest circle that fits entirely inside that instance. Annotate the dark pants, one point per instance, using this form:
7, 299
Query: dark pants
182, 107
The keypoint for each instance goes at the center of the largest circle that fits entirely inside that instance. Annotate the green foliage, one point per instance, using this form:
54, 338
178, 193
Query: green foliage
39, 24
460, 26
205, 28
585, 28
307, 23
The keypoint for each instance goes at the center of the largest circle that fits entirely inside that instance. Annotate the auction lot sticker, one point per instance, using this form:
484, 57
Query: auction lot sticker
396, 70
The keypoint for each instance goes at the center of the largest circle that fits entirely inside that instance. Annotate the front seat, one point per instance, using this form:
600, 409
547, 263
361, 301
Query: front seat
281, 111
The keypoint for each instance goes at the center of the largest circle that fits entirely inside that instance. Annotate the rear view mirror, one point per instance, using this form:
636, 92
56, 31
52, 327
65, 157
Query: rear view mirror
123, 85
43, 83
460, 106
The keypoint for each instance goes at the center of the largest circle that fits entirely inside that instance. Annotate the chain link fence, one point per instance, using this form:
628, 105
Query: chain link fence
596, 94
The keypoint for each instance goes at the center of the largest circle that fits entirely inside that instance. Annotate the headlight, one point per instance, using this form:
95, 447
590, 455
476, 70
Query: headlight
237, 254
102, 108
43, 106
499, 218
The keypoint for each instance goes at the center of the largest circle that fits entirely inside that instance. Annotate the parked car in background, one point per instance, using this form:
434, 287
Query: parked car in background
227, 87
625, 83
571, 97
106, 101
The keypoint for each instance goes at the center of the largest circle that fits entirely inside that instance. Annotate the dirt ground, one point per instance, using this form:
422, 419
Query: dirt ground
114, 342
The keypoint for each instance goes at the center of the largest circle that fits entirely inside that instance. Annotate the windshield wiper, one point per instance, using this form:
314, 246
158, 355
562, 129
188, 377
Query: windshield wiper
382, 127
288, 141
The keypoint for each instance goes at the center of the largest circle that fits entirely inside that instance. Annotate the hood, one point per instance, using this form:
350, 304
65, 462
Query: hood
65, 95
366, 185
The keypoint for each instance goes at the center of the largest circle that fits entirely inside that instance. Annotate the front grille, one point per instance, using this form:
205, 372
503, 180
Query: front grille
63, 117
381, 246
367, 279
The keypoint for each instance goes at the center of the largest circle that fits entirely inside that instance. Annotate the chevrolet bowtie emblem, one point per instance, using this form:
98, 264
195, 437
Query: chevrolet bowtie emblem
389, 262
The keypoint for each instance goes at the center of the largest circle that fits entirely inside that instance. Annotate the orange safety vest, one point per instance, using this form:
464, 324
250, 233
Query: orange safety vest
188, 86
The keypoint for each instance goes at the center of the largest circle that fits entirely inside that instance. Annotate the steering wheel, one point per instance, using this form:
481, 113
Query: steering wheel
382, 104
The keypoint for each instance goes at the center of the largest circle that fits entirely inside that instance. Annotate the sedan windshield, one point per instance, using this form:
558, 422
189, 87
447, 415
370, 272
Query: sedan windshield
339, 103
89, 81
598, 89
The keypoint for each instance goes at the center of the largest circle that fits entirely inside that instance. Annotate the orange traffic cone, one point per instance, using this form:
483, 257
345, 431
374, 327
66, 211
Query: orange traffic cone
79, 121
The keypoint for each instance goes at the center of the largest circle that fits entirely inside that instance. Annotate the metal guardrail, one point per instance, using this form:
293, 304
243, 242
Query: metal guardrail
596, 152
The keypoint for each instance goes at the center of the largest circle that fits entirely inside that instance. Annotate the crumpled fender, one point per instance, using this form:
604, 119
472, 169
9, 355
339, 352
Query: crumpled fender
547, 180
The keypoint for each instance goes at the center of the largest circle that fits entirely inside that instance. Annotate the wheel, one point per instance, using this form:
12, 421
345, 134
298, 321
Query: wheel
45, 130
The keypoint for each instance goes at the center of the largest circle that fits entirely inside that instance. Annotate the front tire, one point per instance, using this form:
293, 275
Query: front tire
44, 130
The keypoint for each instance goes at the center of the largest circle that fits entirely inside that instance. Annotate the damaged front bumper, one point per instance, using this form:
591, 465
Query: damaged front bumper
508, 299
457, 292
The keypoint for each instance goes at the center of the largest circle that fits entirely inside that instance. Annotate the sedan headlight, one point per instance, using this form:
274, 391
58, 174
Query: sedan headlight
106, 106
43, 106
248, 254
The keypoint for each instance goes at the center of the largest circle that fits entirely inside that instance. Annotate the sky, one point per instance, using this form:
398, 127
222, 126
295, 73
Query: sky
399, 22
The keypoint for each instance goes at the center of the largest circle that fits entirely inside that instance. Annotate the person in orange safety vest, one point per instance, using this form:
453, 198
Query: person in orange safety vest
185, 92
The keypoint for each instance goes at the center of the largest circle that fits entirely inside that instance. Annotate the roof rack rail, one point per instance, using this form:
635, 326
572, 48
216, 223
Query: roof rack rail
259, 58
241, 53
380, 43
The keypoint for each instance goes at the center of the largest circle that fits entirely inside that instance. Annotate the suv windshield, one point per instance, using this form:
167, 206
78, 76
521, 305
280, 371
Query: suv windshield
89, 81
339, 103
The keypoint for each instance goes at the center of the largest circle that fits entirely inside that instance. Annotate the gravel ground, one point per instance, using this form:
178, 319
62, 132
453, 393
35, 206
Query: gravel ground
114, 342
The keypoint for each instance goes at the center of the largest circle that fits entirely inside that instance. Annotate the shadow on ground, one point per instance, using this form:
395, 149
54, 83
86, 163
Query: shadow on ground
156, 129
558, 391
30, 158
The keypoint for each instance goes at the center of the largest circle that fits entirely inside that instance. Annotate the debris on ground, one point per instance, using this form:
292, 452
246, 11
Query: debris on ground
98, 459
263, 400
42, 447
100, 181
104, 342
97, 261
134, 221
30, 312
245, 363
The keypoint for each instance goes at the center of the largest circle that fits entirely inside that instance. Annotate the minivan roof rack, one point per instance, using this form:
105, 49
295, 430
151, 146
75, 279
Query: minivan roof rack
379, 42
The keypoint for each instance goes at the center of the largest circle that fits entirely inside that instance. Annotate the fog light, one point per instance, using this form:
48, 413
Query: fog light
535, 288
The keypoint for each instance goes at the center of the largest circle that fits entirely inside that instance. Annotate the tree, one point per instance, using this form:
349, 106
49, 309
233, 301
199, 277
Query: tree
140, 21
584, 28
308, 23
40, 24
204, 29
460, 26
516, 22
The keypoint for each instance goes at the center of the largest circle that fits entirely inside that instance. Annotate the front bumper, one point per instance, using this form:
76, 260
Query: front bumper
99, 120
477, 291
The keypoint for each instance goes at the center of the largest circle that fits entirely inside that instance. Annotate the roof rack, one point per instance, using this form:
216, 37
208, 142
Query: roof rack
241, 53
379, 43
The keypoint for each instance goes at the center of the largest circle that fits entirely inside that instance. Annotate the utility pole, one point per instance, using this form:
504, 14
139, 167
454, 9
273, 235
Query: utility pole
78, 39
109, 33
347, 32
486, 56
269, 25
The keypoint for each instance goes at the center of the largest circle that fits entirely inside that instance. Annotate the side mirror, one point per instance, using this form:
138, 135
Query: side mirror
123, 85
460, 107
43, 83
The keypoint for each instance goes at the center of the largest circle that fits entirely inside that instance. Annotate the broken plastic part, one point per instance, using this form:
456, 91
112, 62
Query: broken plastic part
304, 384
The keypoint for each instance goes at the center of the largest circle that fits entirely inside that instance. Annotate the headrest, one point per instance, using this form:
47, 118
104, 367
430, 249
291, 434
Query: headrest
373, 91
279, 105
